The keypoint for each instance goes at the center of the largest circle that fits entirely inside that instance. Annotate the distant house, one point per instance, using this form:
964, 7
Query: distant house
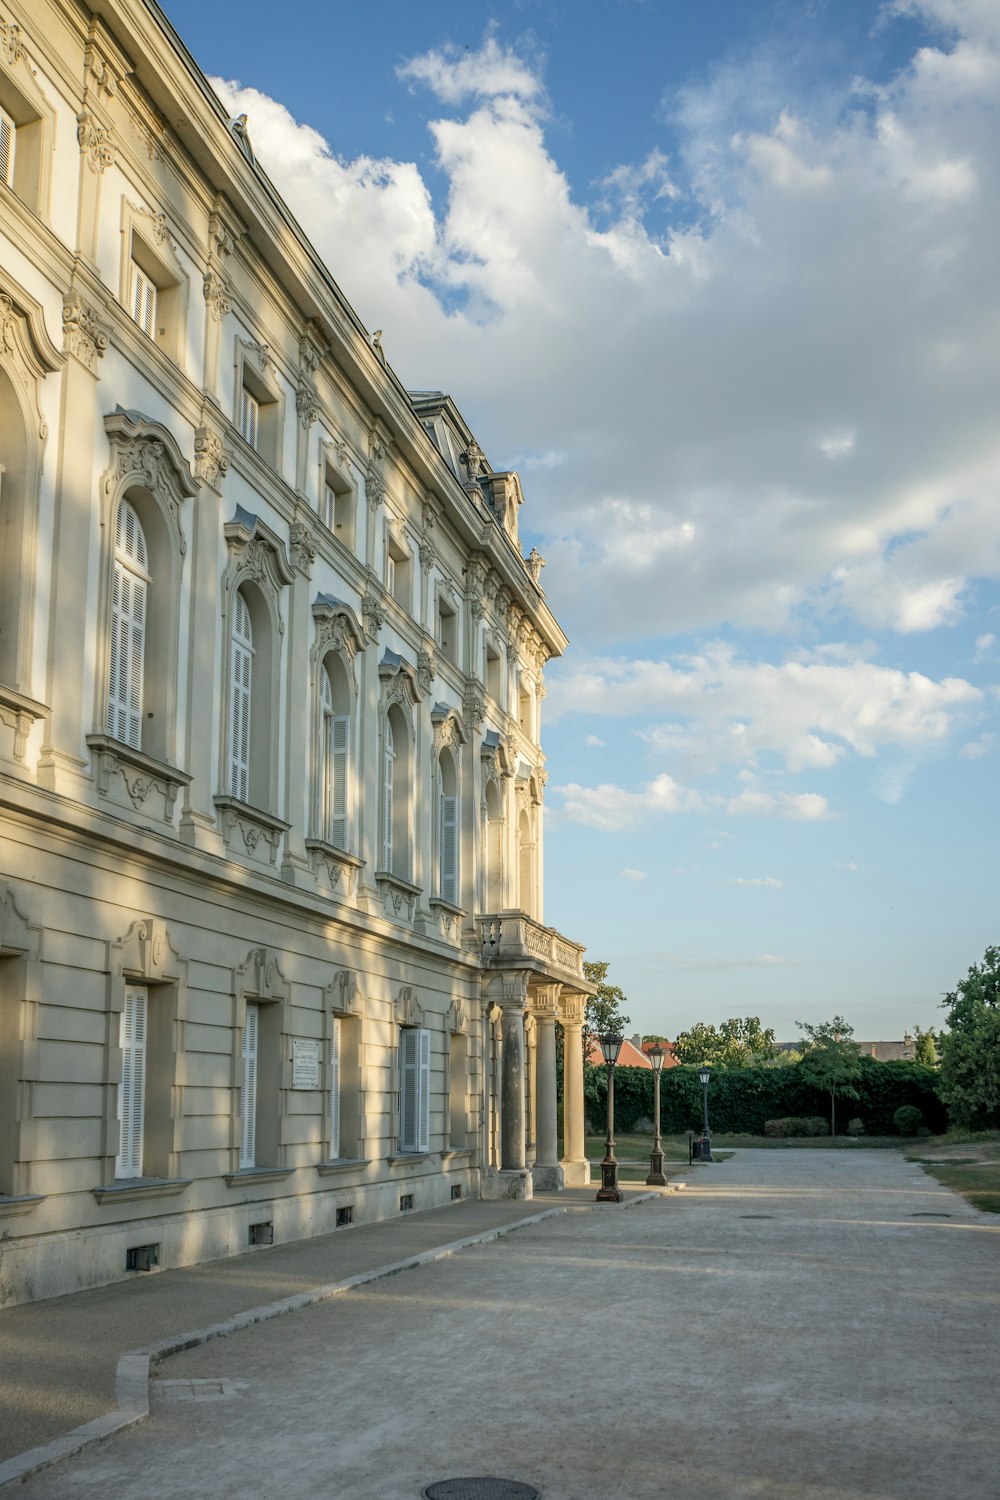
632, 1055
904, 1051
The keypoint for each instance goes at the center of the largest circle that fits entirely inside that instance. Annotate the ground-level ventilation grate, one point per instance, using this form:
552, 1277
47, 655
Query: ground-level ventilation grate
756, 1216
479, 1489
930, 1214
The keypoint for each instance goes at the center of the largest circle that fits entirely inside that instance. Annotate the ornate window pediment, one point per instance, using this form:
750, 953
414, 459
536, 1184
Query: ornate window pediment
337, 628
400, 682
256, 551
408, 1010
448, 727
144, 453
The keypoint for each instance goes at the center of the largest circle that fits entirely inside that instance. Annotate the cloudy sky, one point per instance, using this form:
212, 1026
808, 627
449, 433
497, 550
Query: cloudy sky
721, 281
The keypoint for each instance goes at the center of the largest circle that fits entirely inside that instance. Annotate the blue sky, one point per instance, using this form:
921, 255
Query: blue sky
721, 280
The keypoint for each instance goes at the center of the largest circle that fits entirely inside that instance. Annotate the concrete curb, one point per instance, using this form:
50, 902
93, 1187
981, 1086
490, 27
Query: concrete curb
132, 1373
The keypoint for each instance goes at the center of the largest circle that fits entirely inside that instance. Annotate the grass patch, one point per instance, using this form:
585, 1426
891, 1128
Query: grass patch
632, 1154
974, 1172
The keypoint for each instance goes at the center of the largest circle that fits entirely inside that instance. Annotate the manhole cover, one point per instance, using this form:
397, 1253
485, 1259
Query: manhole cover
929, 1214
480, 1489
756, 1216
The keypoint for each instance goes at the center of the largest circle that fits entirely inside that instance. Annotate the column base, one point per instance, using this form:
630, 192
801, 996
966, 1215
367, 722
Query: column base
503, 1185
547, 1179
575, 1173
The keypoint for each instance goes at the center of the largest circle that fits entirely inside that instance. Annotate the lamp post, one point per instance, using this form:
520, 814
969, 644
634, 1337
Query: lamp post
704, 1074
656, 1054
610, 1192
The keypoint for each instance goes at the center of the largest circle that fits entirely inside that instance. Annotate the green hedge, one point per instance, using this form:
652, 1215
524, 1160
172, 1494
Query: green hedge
742, 1100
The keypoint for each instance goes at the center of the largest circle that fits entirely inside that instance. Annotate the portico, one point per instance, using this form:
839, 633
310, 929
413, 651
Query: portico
534, 977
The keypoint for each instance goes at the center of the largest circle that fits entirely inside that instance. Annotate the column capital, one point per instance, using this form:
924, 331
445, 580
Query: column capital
509, 988
545, 1001
572, 1007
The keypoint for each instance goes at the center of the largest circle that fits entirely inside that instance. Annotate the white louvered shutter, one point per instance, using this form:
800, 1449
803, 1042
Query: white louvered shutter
409, 1054
423, 1090
329, 516
8, 137
388, 758
449, 847
142, 299
132, 1090
248, 1101
240, 690
339, 729
335, 1089
129, 584
249, 417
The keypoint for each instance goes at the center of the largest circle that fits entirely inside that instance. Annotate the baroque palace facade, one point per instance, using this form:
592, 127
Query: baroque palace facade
272, 952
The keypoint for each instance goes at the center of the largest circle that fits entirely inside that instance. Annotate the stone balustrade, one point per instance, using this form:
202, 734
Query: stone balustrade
513, 939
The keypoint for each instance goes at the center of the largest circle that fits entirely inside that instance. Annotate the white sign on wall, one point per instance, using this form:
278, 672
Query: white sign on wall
305, 1064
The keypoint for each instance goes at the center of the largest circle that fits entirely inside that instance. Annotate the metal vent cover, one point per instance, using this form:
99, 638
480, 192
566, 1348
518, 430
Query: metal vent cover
479, 1489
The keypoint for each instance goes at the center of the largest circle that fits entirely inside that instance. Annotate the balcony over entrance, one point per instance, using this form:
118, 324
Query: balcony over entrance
512, 940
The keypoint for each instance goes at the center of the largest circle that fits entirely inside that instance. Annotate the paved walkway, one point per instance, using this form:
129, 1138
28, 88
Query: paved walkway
58, 1358
795, 1326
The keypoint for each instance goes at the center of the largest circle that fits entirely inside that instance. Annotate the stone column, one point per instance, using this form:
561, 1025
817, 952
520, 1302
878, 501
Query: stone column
546, 1174
513, 1179
576, 1168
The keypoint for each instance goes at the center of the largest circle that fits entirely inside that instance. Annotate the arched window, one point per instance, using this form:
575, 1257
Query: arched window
448, 841
129, 587
396, 794
525, 863
334, 754
241, 684
493, 839
388, 775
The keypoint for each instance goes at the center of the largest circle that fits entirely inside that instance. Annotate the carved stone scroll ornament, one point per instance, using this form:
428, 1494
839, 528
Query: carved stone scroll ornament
307, 403
425, 670
301, 547
84, 335
12, 49
217, 295
211, 457
373, 615
96, 143
375, 485
337, 629
474, 703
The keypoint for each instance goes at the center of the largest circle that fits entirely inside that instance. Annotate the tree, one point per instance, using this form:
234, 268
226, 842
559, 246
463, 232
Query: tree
831, 1061
736, 1044
604, 1010
970, 1048
925, 1047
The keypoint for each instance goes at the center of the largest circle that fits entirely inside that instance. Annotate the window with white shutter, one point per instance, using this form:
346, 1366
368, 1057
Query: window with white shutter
414, 1089
248, 1098
8, 140
335, 1037
241, 683
132, 1089
142, 299
129, 585
249, 416
334, 749
388, 768
449, 846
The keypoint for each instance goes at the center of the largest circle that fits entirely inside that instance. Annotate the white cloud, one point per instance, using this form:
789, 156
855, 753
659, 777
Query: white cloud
811, 710
984, 646
755, 882
611, 807
847, 864
594, 742
629, 874
976, 749
827, 274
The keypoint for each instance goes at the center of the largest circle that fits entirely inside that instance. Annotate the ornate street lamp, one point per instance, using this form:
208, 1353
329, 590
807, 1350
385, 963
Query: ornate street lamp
656, 1054
704, 1075
610, 1192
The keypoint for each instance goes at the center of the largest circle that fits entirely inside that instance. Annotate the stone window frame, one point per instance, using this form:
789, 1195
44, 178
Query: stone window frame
34, 121
335, 462
257, 373
260, 981
146, 956
147, 242
343, 1003
20, 1000
259, 563
147, 468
